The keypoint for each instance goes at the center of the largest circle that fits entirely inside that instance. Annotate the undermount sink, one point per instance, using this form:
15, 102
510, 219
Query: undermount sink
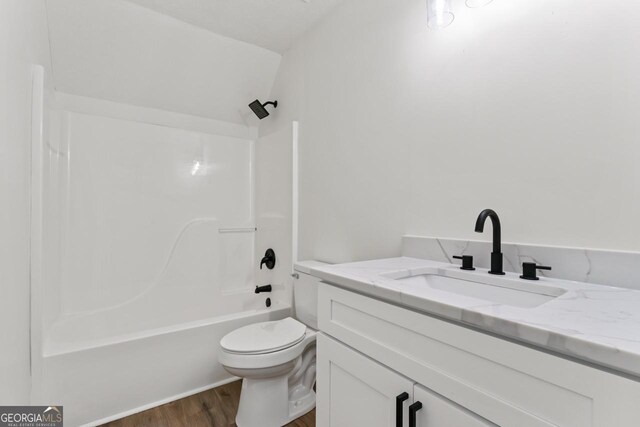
496, 290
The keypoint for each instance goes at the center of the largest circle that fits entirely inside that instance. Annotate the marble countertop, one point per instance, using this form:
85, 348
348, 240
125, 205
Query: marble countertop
595, 323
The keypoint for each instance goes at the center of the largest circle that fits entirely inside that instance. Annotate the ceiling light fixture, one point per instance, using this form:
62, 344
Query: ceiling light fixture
439, 14
477, 3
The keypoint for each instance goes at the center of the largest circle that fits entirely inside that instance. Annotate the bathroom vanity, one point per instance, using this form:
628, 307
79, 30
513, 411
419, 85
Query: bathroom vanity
411, 342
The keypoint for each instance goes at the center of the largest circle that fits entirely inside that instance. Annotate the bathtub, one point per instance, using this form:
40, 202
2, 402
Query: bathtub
106, 365
144, 256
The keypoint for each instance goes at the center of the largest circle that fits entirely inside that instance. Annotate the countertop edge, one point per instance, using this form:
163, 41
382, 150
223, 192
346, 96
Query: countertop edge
622, 364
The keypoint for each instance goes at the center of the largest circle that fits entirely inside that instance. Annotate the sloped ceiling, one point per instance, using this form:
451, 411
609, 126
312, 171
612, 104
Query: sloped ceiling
272, 24
122, 52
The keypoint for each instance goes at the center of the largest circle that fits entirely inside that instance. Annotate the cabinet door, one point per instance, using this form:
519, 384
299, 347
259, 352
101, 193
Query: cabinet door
353, 390
436, 411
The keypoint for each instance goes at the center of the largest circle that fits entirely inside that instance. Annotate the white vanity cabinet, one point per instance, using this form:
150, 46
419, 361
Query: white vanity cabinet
370, 352
353, 390
356, 390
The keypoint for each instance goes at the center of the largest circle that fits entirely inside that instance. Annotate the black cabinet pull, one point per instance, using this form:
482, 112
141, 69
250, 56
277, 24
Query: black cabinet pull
412, 413
399, 407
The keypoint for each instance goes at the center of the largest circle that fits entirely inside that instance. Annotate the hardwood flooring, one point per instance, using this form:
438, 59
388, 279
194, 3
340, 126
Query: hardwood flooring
213, 408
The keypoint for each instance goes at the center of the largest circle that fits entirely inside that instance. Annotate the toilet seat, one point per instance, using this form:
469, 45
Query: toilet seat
264, 337
267, 360
277, 367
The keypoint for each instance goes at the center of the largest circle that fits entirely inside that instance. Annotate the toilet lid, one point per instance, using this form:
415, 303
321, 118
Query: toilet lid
265, 337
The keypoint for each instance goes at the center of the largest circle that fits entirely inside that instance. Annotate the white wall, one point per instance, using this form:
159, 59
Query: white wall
23, 42
122, 52
527, 107
153, 116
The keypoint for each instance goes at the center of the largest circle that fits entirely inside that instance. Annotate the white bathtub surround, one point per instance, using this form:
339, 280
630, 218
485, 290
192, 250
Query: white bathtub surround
148, 257
24, 48
132, 214
613, 268
274, 218
141, 319
595, 323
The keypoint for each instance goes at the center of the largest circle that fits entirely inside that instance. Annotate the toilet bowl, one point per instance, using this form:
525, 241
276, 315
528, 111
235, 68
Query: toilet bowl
276, 360
277, 363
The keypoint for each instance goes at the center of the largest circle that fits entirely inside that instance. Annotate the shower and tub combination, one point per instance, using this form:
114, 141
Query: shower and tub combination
146, 258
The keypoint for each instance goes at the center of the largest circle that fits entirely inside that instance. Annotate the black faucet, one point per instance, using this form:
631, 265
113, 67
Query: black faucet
530, 270
467, 262
269, 259
265, 288
496, 254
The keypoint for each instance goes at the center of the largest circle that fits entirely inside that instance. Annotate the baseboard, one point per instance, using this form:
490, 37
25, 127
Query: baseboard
158, 403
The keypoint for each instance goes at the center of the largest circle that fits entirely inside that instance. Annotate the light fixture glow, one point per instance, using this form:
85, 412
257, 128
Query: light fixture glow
439, 13
195, 168
477, 3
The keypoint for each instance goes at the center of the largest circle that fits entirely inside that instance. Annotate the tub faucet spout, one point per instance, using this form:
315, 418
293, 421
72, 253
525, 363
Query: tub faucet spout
261, 289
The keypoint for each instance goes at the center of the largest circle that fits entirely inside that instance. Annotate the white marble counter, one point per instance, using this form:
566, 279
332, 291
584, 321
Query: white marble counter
595, 323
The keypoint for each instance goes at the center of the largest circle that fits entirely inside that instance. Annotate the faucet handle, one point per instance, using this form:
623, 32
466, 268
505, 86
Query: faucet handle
530, 270
269, 259
467, 262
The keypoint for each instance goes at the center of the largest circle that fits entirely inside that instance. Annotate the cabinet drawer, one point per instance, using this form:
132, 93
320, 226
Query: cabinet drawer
440, 412
509, 384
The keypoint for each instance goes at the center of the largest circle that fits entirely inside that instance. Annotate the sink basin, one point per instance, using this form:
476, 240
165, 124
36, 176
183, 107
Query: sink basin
499, 290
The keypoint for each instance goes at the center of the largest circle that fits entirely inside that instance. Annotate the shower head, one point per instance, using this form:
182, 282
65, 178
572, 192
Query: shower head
258, 108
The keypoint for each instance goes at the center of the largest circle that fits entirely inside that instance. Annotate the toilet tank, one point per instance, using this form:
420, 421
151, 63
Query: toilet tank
305, 293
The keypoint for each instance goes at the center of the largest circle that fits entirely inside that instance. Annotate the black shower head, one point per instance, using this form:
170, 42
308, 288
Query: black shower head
259, 110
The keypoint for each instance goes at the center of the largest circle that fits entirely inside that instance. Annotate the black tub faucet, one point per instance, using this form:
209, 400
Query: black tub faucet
496, 254
265, 288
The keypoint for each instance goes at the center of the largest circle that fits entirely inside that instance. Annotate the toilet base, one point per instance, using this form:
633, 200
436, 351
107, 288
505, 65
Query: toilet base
276, 401
266, 403
298, 408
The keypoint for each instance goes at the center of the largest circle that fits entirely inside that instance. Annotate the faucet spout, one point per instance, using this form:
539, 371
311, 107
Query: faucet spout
265, 288
496, 254
495, 222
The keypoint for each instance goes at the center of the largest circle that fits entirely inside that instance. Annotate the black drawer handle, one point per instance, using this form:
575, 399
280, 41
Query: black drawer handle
399, 407
412, 413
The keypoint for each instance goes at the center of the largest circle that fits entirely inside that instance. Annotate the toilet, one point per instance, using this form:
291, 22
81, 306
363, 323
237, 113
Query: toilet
277, 360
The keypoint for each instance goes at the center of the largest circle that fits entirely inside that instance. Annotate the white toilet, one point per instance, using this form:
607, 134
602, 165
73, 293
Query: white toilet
277, 360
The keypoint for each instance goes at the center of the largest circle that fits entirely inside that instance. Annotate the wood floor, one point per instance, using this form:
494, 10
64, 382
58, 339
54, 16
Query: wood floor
212, 408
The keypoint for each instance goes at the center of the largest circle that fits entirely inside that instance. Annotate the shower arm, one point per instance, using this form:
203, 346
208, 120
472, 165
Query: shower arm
274, 103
